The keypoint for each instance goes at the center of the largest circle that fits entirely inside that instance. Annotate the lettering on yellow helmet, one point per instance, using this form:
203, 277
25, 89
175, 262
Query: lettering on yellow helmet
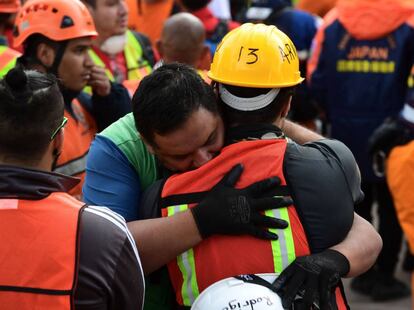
288, 52
252, 56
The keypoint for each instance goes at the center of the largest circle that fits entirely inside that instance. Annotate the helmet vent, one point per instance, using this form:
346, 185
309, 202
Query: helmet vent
66, 22
55, 10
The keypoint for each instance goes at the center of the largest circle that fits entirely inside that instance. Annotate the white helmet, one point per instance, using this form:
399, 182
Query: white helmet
241, 292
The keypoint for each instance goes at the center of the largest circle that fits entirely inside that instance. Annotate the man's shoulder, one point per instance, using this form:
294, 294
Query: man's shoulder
327, 150
402, 156
319, 158
103, 225
123, 133
125, 137
104, 237
108, 261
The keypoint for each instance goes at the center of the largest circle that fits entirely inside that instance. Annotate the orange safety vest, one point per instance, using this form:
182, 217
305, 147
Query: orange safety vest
8, 59
39, 252
219, 257
320, 7
148, 18
79, 134
400, 178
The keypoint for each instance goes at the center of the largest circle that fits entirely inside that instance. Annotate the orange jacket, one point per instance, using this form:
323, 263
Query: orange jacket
400, 178
148, 18
79, 134
43, 237
8, 59
317, 7
219, 257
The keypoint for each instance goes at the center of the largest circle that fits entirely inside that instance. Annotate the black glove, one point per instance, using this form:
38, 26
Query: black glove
314, 277
390, 134
231, 211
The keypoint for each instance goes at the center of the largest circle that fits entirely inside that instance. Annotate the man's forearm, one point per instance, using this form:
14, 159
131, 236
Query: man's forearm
299, 134
361, 246
163, 239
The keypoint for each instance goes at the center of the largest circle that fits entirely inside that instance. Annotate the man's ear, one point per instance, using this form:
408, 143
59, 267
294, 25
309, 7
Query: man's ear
45, 54
149, 147
158, 45
286, 108
58, 141
205, 52
205, 59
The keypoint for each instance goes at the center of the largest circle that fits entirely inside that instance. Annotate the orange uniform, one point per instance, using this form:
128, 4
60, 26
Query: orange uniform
34, 230
79, 134
149, 17
317, 7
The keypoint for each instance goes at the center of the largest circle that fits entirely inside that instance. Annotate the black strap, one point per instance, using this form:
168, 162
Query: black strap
253, 279
196, 197
35, 290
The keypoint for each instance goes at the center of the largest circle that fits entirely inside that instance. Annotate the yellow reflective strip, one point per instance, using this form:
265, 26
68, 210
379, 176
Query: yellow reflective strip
288, 236
7, 68
410, 81
138, 68
365, 66
186, 264
189, 289
283, 249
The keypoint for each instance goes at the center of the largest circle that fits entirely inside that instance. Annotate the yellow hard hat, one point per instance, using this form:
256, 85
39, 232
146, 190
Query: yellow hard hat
256, 55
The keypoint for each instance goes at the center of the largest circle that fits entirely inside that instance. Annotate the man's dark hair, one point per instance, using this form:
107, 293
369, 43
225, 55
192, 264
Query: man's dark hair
31, 109
194, 5
92, 3
267, 114
166, 98
29, 57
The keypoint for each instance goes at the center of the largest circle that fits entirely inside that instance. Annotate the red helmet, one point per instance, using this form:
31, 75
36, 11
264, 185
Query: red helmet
57, 20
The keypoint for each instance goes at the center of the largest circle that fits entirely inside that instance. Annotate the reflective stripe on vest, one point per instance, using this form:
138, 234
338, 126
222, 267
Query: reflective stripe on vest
79, 134
137, 66
8, 59
283, 254
39, 240
186, 263
284, 245
201, 266
74, 167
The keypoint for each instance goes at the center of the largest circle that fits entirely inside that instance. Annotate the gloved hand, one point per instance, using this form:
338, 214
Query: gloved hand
315, 277
390, 134
231, 211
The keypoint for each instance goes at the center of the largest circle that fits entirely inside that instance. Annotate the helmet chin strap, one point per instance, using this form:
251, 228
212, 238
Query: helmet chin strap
60, 51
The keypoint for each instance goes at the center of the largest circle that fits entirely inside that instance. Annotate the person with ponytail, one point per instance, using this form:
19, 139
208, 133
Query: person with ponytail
57, 253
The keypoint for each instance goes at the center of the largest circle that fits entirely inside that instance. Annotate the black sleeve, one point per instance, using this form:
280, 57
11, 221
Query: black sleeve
150, 207
325, 184
146, 46
110, 274
109, 109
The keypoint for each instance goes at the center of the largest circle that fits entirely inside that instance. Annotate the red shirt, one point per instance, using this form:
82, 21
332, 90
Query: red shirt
116, 64
210, 21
